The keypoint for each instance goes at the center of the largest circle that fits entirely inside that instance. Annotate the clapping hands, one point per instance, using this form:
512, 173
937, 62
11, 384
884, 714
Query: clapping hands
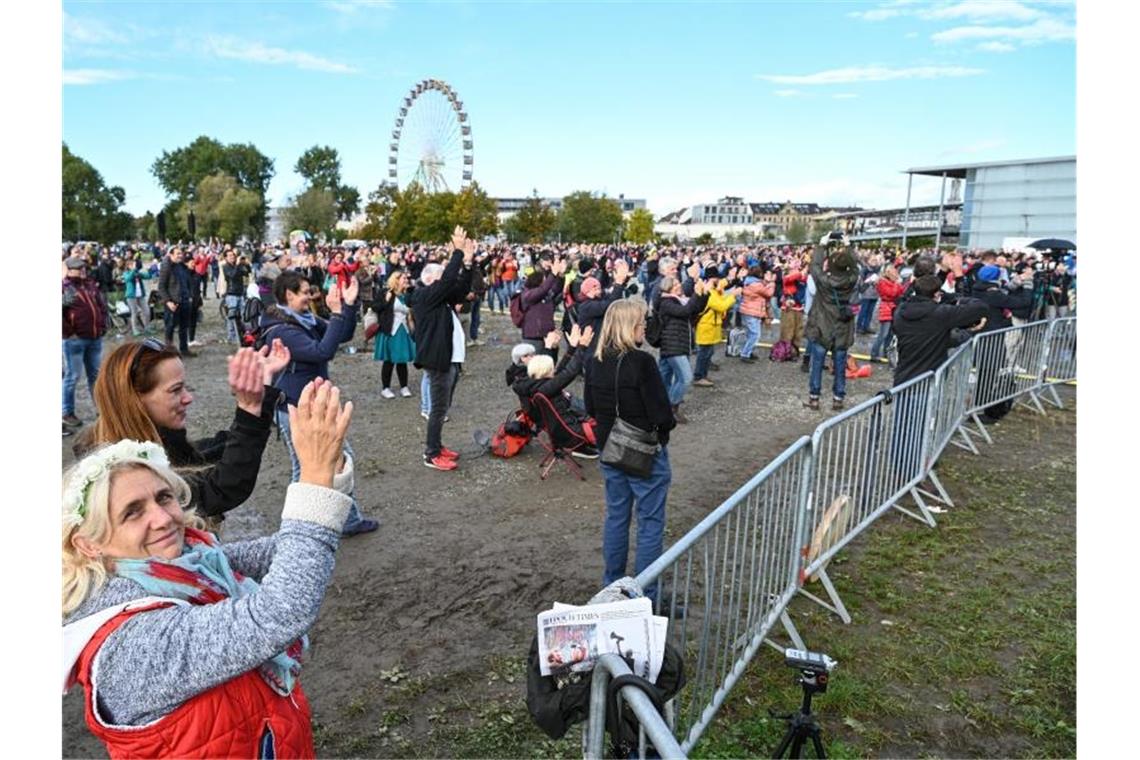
319, 423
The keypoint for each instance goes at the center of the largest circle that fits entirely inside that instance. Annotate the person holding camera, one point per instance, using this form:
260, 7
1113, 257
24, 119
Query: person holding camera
133, 276
830, 324
236, 272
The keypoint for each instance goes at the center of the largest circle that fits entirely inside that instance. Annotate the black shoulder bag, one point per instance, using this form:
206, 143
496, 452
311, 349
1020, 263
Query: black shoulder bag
629, 448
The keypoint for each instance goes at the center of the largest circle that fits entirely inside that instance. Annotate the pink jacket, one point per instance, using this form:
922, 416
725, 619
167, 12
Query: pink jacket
756, 295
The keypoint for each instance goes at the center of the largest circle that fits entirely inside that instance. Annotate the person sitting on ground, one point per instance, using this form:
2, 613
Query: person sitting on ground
522, 353
542, 378
142, 387
195, 647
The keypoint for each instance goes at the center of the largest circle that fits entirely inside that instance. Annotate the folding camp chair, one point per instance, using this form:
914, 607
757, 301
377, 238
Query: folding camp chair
549, 420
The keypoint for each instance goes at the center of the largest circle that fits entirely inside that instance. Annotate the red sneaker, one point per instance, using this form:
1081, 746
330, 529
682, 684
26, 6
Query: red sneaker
448, 453
441, 463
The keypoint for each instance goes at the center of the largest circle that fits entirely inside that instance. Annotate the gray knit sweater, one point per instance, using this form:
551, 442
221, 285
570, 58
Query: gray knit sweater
159, 659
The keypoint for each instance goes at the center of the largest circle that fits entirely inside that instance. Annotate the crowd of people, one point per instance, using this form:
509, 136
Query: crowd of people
186, 629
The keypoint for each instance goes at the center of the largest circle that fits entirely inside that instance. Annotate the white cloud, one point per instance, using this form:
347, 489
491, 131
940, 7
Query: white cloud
352, 6
95, 76
787, 93
87, 31
997, 47
876, 14
855, 74
255, 52
983, 10
1043, 30
844, 95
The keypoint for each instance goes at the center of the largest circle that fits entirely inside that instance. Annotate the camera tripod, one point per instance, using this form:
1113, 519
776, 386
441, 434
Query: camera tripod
802, 725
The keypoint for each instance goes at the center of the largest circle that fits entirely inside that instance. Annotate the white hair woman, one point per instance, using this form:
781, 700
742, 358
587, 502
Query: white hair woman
193, 647
623, 381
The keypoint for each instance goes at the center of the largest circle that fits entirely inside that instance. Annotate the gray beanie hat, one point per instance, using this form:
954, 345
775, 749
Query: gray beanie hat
521, 350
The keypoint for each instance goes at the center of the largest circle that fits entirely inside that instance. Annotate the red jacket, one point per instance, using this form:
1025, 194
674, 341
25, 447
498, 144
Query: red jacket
201, 264
343, 271
889, 293
84, 310
242, 717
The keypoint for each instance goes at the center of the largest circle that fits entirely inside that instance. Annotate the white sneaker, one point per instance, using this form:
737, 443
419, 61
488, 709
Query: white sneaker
387, 393
195, 344
405, 392
425, 415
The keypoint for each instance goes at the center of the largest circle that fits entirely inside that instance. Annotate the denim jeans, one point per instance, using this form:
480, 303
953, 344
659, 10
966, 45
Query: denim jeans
425, 393
443, 384
140, 315
839, 361
704, 359
866, 311
752, 325
76, 351
475, 306
649, 494
677, 374
881, 340
234, 304
354, 516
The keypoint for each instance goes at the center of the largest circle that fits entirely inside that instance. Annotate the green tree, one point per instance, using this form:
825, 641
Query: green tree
179, 172
320, 166
91, 209
705, 238
586, 218
797, 232
225, 209
821, 227
475, 211
402, 220
378, 212
433, 213
313, 211
535, 222
639, 229
146, 228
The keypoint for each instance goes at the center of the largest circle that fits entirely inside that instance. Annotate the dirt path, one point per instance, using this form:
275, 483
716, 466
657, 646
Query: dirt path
464, 560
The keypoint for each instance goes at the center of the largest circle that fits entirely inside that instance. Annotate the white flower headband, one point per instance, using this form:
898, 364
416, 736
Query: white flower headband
95, 466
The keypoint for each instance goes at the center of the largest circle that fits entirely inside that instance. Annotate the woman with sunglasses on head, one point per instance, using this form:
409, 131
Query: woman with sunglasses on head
143, 396
184, 646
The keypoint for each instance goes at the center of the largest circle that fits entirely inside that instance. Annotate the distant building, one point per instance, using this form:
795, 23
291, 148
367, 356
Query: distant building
508, 207
733, 216
1007, 204
275, 225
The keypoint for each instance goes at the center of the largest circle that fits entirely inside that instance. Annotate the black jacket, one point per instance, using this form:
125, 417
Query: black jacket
644, 402
677, 323
236, 275
923, 331
385, 312
552, 388
169, 286
1000, 303
432, 313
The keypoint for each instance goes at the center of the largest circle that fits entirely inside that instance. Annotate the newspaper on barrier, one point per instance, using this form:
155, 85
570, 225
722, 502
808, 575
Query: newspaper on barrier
572, 638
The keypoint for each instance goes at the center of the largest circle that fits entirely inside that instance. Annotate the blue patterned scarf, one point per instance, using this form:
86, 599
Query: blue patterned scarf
202, 575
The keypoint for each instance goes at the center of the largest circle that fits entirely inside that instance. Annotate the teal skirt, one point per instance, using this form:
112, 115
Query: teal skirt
397, 349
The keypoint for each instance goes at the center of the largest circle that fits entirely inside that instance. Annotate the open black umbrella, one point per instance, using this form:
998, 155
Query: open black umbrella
1052, 244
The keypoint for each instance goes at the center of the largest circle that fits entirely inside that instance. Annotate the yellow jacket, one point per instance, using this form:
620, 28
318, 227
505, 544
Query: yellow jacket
709, 326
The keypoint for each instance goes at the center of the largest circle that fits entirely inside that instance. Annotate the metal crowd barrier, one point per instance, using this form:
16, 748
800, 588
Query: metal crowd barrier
865, 461
727, 583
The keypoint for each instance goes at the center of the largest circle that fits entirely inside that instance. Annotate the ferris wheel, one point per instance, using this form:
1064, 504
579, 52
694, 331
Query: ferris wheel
431, 141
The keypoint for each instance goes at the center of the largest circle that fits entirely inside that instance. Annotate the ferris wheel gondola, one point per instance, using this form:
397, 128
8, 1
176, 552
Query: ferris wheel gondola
431, 140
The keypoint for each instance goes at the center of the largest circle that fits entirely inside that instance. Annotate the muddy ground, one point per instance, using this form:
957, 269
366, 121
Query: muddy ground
420, 610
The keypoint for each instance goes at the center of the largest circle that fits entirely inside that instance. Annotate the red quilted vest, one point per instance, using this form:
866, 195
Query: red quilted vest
242, 717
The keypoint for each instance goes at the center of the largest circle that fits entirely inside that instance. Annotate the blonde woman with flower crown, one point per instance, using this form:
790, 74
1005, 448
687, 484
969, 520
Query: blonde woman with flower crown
186, 647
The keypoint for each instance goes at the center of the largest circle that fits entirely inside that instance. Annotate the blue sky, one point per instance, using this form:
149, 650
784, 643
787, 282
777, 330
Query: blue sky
677, 103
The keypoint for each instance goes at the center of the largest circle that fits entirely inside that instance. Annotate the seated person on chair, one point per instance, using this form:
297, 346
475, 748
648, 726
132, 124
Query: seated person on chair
542, 379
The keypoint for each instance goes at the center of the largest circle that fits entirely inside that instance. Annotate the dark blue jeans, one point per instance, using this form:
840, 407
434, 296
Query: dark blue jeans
866, 311
77, 353
623, 492
475, 307
839, 362
704, 359
881, 340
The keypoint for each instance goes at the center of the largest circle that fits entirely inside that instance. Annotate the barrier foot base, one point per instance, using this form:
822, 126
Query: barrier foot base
925, 514
1035, 406
1057, 402
981, 428
966, 443
942, 497
790, 629
836, 604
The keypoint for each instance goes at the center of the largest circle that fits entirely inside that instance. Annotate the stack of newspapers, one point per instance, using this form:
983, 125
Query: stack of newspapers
571, 639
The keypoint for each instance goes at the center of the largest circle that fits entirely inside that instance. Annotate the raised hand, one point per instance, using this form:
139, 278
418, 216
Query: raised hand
575, 333
351, 291
458, 239
586, 336
247, 380
468, 251
694, 270
621, 271
332, 300
273, 360
318, 424
553, 338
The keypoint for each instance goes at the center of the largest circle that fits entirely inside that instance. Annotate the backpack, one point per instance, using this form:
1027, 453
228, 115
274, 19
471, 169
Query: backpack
251, 318
517, 313
653, 330
512, 436
783, 351
737, 337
